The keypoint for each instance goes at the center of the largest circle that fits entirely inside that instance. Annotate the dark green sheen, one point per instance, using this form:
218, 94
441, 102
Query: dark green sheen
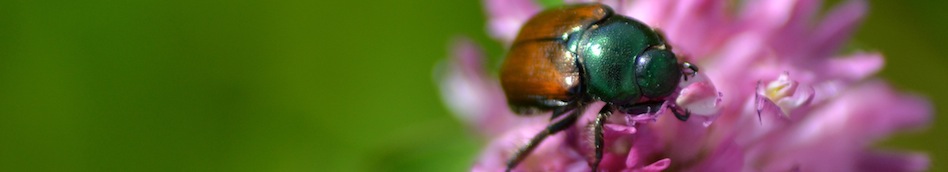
609, 50
657, 72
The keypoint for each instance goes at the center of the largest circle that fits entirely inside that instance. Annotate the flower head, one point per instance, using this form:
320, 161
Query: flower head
772, 95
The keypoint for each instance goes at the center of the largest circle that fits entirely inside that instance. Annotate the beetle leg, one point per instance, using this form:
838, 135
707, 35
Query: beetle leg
693, 68
597, 132
650, 107
682, 116
553, 128
562, 110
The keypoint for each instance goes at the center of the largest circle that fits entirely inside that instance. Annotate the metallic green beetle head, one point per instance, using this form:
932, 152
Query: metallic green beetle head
657, 72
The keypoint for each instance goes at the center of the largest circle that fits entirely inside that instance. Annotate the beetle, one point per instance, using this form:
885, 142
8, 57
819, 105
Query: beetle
567, 57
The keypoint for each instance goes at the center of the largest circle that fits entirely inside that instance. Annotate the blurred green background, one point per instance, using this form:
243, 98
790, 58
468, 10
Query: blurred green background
175, 85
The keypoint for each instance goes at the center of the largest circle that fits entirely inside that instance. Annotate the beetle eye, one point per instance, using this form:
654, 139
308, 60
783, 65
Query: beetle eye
657, 72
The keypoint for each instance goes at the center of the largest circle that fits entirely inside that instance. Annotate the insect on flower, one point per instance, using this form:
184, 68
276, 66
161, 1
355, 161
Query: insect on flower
565, 58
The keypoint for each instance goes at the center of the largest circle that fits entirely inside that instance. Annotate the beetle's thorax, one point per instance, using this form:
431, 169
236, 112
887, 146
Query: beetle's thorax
607, 53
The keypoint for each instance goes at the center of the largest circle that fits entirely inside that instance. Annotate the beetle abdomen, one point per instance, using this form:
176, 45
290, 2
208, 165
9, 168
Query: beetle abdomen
539, 72
533, 81
554, 23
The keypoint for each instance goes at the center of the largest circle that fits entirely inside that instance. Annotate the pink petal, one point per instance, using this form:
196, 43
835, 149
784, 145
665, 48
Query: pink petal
591, 111
854, 67
697, 27
476, 98
645, 145
773, 14
784, 23
463, 87
635, 158
699, 97
656, 166
651, 12
469, 57
892, 162
550, 155
878, 110
789, 93
737, 65
506, 17
862, 114
838, 27
802, 98
727, 156
771, 112
679, 138
752, 127
623, 129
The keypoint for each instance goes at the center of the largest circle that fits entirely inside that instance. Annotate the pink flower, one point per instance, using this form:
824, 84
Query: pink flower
772, 96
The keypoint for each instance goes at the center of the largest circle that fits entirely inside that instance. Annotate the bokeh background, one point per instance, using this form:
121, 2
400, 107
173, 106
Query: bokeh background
237, 85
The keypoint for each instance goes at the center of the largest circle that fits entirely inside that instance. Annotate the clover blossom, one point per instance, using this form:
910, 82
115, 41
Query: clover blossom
772, 95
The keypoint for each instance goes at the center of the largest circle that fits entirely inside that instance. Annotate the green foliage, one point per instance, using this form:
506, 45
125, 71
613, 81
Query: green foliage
549, 3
